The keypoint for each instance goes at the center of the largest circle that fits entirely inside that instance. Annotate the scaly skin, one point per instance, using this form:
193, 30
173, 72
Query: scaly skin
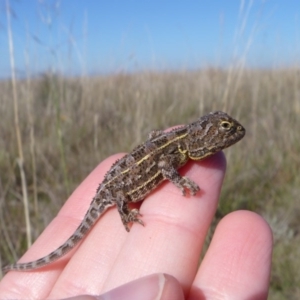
135, 175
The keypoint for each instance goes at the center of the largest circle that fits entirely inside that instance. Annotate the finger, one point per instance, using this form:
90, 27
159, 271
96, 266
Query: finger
170, 242
175, 229
238, 262
156, 286
38, 284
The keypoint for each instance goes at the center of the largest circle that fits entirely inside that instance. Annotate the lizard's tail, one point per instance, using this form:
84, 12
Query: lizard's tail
89, 220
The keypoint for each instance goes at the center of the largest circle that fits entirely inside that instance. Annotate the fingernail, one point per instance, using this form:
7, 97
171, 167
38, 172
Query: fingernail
146, 288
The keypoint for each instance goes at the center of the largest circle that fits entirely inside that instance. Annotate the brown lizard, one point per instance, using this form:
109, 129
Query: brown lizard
135, 175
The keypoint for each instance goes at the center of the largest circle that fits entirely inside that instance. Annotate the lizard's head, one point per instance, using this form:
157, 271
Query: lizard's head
213, 133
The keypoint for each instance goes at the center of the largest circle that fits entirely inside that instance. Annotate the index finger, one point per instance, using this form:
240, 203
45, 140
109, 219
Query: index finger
38, 283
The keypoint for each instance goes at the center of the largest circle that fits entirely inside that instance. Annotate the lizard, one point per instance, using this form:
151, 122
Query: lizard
139, 172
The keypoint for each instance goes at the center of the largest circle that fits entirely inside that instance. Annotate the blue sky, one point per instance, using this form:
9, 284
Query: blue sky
96, 37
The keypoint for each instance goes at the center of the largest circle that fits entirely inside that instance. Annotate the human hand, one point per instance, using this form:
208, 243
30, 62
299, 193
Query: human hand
236, 265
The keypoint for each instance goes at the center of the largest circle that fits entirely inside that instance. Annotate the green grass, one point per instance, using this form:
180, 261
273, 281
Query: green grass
78, 122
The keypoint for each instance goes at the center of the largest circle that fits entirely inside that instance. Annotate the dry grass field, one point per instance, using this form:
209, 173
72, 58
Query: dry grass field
68, 125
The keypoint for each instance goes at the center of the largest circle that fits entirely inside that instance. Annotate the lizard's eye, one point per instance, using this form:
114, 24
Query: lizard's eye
226, 125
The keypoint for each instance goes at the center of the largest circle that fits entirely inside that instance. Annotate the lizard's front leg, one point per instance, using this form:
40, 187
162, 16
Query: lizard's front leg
167, 167
127, 215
